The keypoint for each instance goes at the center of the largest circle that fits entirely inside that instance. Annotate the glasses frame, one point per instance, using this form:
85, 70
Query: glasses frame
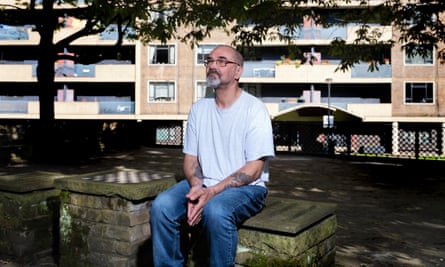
220, 62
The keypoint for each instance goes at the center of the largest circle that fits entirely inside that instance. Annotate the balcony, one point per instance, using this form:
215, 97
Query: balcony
107, 71
269, 71
30, 108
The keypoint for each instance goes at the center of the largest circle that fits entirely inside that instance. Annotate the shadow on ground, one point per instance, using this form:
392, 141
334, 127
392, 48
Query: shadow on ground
389, 214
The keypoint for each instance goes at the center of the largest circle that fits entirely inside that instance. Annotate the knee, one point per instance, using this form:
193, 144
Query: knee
163, 202
216, 212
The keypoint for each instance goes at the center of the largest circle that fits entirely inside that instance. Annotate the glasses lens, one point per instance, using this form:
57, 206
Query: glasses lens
221, 62
218, 62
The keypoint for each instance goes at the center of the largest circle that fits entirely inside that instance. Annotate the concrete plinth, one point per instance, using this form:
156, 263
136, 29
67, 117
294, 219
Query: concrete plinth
295, 231
104, 217
28, 215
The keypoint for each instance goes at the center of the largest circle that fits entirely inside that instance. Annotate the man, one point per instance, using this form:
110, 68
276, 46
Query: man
227, 145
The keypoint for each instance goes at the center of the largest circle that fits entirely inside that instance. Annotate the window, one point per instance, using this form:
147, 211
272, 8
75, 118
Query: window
419, 92
161, 92
252, 89
202, 90
161, 54
161, 15
203, 52
416, 59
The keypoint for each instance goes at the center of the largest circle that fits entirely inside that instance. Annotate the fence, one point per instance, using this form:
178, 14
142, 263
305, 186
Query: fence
395, 140
392, 140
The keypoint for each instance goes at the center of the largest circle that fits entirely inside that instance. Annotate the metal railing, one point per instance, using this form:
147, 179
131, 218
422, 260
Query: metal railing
386, 140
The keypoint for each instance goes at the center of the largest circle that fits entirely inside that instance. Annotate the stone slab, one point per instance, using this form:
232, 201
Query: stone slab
316, 242
129, 184
289, 216
27, 223
298, 232
29, 181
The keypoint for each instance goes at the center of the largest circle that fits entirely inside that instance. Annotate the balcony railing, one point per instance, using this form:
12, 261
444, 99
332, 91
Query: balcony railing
119, 107
13, 32
68, 108
362, 71
104, 71
14, 106
315, 32
270, 69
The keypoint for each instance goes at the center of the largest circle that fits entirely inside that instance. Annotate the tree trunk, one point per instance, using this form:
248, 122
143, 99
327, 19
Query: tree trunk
44, 141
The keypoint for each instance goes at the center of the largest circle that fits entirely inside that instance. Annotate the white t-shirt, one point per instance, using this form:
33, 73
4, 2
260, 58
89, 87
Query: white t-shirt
226, 139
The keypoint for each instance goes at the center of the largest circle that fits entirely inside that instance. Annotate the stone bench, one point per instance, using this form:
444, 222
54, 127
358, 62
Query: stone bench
28, 215
298, 232
287, 232
104, 217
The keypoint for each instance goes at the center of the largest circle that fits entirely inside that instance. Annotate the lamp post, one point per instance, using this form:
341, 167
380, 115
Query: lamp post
329, 137
329, 81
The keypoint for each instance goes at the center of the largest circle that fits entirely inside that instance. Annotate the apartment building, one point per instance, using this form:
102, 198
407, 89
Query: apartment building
397, 109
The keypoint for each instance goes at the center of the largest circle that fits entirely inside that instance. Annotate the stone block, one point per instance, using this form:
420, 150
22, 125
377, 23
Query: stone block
121, 233
102, 259
307, 246
130, 185
111, 216
298, 231
105, 217
104, 202
27, 222
112, 246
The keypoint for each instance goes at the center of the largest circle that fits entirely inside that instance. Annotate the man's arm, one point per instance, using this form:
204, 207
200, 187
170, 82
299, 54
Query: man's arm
193, 174
244, 176
192, 170
199, 195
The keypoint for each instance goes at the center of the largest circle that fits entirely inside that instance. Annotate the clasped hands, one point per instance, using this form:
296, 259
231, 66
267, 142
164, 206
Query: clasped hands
197, 198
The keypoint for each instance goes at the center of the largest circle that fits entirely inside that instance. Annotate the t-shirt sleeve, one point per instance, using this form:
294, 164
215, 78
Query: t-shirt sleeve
259, 140
191, 138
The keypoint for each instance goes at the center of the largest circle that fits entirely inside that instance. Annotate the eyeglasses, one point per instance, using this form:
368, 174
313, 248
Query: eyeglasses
220, 62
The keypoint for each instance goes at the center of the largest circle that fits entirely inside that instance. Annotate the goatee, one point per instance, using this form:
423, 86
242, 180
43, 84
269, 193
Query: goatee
213, 81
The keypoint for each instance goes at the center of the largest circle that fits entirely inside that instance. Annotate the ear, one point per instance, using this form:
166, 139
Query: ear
238, 72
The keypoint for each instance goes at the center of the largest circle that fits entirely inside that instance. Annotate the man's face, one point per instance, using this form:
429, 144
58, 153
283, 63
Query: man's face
222, 69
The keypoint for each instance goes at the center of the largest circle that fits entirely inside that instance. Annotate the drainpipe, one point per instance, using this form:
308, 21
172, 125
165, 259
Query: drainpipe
312, 94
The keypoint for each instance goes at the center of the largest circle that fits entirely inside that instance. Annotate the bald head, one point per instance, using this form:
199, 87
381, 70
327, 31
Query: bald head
236, 55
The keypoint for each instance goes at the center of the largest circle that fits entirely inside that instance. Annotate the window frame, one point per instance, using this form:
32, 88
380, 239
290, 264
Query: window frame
160, 101
198, 87
433, 92
153, 49
418, 58
200, 60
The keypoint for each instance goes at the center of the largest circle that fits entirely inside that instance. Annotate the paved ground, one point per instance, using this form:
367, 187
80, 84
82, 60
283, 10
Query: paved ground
389, 214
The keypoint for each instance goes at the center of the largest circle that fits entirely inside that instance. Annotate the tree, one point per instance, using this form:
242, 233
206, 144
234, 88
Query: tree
146, 20
420, 24
249, 21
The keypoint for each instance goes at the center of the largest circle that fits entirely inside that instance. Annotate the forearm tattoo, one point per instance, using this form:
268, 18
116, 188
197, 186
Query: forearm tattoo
239, 179
198, 171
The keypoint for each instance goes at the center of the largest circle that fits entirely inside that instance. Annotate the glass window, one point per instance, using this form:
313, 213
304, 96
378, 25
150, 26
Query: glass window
161, 54
416, 59
202, 52
419, 92
161, 92
202, 90
252, 89
160, 15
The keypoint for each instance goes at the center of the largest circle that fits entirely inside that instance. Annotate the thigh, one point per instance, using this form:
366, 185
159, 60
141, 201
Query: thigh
173, 199
240, 203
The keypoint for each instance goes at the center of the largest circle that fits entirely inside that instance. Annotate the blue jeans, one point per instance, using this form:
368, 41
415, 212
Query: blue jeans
221, 217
